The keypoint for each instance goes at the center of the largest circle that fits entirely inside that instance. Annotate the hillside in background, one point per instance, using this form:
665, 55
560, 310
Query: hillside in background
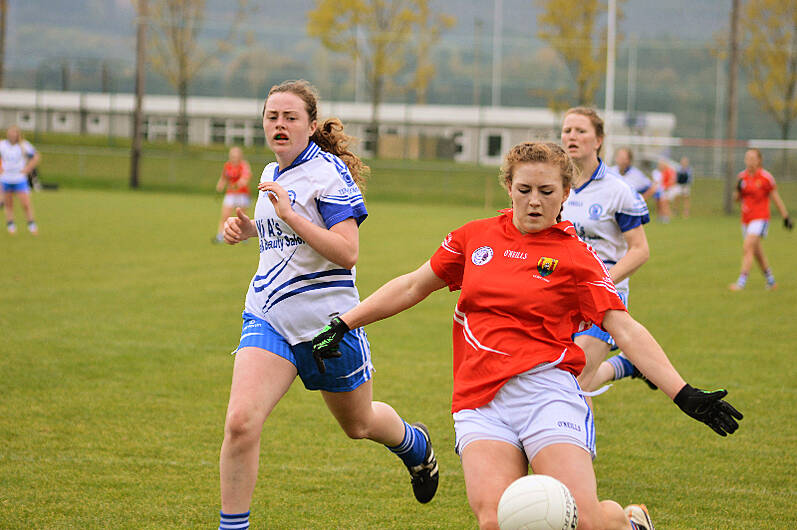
48, 39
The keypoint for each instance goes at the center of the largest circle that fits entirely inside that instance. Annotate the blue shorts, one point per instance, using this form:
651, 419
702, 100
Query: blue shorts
598, 333
17, 187
343, 374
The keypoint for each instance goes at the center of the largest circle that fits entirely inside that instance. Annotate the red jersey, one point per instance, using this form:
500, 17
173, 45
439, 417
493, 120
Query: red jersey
523, 297
667, 177
234, 173
755, 191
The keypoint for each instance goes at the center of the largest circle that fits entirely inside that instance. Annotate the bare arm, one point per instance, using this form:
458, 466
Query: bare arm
638, 253
220, 184
395, 296
340, 244
779, 204
643, 351
32, 163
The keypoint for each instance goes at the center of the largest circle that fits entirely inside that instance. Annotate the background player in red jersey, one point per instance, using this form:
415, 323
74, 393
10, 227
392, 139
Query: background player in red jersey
527, 284
235, 178
754, 187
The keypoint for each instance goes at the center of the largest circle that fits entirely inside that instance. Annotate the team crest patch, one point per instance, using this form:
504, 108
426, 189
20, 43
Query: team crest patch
595, 211
546, 266
292, 197
481, 255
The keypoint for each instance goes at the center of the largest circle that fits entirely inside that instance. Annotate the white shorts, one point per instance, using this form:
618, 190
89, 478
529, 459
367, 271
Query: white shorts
756, 227
680, 190
531, 411
237, 200
670, 193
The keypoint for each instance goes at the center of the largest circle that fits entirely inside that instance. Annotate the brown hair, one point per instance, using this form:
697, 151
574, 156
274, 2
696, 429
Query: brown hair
329, 135
538, 152
757, 151
597, 122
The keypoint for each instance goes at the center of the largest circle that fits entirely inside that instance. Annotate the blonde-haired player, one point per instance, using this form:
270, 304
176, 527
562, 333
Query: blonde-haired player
17, 159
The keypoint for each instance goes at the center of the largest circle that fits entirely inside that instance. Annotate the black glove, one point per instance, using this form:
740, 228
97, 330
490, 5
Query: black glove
325, 344
787, 223
739, 185
709, 408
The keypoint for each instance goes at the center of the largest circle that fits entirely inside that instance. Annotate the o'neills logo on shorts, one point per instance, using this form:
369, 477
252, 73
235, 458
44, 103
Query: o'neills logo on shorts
481, 255
546, 266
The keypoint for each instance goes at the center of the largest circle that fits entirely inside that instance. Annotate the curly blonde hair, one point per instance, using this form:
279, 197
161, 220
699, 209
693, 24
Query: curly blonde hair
329, 135
542, 152
538, 152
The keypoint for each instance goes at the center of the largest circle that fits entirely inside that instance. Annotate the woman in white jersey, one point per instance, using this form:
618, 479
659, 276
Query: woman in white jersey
17, 159
306, 220
608, 215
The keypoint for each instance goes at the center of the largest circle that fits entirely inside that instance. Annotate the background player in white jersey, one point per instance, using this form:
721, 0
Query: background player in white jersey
631, 174
608, 215
18, 158
306, 219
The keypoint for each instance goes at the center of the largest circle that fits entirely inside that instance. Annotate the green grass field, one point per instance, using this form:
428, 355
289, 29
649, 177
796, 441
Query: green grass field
116, 327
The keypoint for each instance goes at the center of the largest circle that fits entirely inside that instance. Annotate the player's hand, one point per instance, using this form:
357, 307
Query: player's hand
788, 224
325, 344
710, 408
739, 185
238, 228
279, 198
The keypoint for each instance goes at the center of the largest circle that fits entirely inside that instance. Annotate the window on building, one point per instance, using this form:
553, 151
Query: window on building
494, 145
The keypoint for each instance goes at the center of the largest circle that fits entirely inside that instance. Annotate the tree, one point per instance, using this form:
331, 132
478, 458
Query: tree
141, 54
375, 32
732, 111
178, 55
3, 17
769, 41
572, 29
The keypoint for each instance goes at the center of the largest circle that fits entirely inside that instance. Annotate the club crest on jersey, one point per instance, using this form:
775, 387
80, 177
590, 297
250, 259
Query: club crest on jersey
292, 196
481, 255
546, 266
595, 211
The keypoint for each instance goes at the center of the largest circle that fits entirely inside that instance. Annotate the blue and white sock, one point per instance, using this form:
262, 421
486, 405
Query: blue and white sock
622, 367
742, 280
234, 521
770, 277
412, 448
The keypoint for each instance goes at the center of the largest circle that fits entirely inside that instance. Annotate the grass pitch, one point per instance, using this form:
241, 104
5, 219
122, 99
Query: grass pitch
115, 328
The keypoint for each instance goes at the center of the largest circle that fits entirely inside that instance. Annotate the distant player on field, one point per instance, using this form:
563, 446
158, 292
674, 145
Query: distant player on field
235, 178
306, 221
17, 159
682, 189
608, 215
754, 186
631, 174
664, 177
527, 283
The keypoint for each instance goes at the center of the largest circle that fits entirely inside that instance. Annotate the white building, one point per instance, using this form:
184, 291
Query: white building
463, 133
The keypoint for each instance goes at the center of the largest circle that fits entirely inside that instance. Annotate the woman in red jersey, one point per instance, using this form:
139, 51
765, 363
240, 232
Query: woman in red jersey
527, 284
235, 178
754, 186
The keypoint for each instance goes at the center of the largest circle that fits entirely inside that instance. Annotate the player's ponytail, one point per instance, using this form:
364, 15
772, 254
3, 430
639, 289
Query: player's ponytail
329, 136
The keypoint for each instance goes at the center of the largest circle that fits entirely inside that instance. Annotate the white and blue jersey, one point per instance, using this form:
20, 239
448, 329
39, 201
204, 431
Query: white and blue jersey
296, 289
602, 210
634, 178
14, 157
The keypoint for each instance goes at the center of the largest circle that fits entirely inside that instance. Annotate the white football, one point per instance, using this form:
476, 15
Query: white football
537, 502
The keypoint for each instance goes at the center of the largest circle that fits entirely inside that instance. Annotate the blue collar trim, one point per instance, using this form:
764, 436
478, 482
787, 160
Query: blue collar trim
309, 153
598, 174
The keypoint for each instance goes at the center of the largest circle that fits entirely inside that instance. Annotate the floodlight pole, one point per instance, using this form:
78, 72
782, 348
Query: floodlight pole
608, 108
498, 30
135, 151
